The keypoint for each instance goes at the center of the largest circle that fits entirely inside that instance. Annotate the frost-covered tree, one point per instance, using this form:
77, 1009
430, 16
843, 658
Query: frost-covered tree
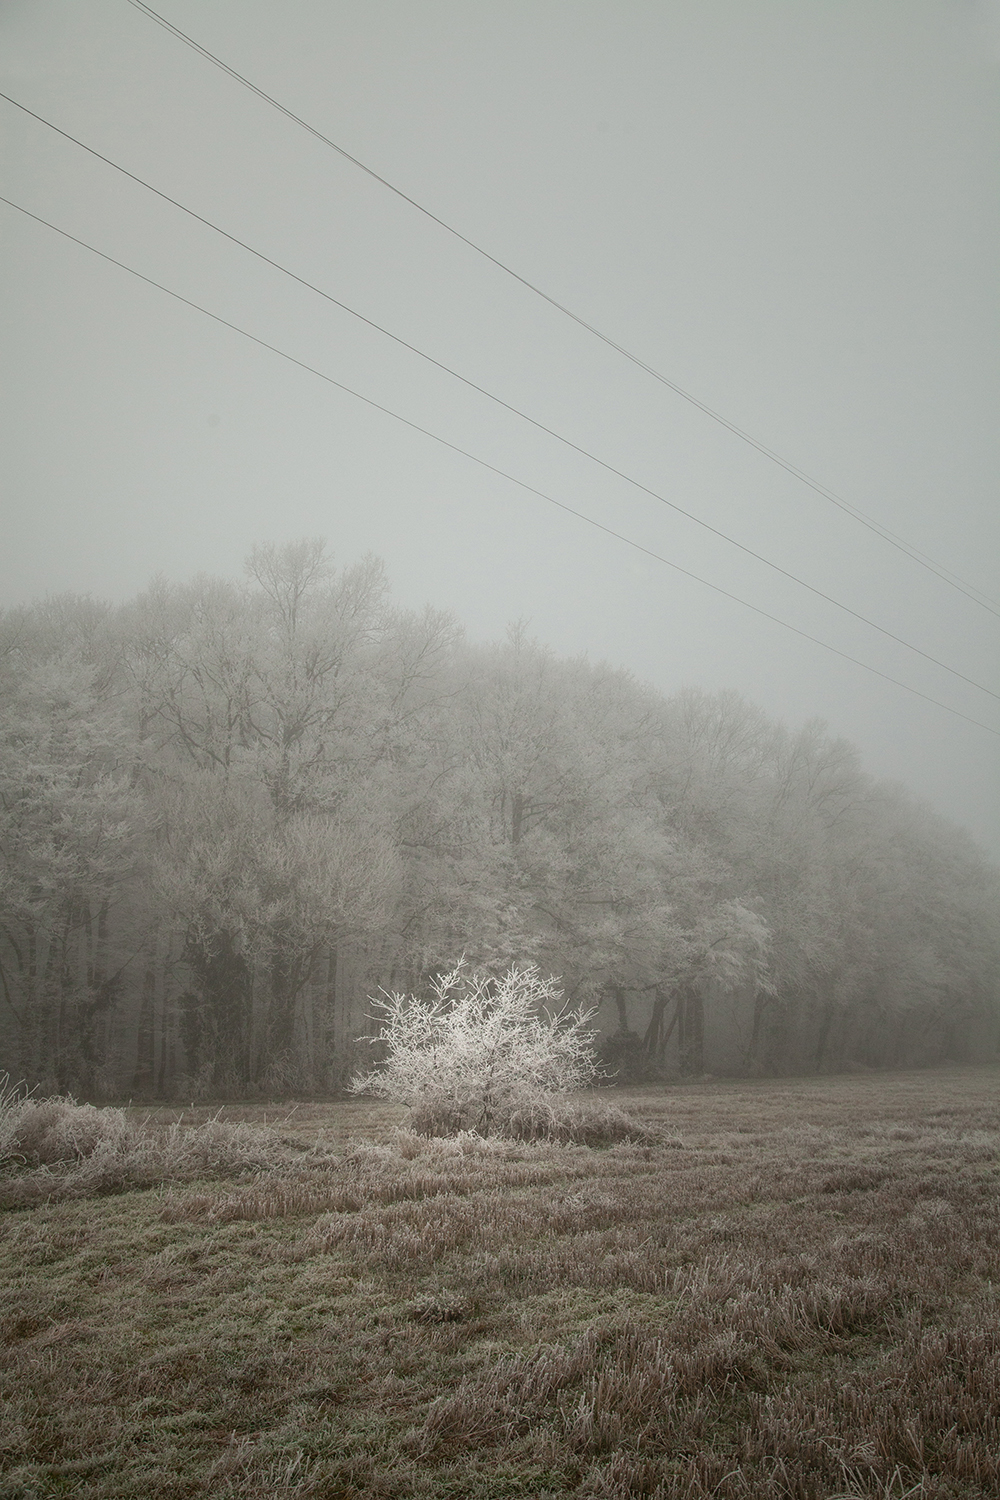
229, 810
480, 1053
71, 829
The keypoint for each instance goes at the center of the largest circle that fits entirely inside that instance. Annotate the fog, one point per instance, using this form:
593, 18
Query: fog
790, 211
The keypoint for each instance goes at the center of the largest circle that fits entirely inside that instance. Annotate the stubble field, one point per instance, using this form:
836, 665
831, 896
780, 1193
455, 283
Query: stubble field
777, 1289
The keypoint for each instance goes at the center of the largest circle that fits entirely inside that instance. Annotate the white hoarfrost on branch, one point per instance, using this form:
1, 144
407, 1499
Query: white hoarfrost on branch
484, 1054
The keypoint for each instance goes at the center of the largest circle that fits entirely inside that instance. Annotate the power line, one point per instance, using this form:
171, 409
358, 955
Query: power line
495, 469
516, 411
977, 595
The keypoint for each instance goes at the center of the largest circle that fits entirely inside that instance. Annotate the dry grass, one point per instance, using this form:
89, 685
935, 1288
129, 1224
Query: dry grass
780, 1289
53, 1149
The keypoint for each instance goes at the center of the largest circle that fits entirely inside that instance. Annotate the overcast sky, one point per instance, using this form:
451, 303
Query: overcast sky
789, 209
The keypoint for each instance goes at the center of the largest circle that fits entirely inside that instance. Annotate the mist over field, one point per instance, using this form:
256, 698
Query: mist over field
234, 810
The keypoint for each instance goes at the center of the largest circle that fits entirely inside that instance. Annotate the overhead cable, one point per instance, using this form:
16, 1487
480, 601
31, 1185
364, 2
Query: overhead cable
977, 595
495, 469
516, 411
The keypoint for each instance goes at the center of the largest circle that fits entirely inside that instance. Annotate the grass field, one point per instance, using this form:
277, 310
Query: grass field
782, 1288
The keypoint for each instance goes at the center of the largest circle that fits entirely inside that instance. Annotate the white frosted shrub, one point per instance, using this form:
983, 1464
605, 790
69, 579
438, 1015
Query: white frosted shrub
482, 1053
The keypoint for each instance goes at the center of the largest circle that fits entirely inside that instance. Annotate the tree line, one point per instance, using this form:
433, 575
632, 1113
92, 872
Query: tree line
229, 812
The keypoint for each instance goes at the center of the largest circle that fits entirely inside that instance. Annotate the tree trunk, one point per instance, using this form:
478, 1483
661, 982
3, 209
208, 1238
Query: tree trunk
168, 1050
651, 1039
654, 1042
669, 1031
621, 1005
144, 1077
280, 1034
691, 1038
760, 1004
218, 1016
826, 1021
